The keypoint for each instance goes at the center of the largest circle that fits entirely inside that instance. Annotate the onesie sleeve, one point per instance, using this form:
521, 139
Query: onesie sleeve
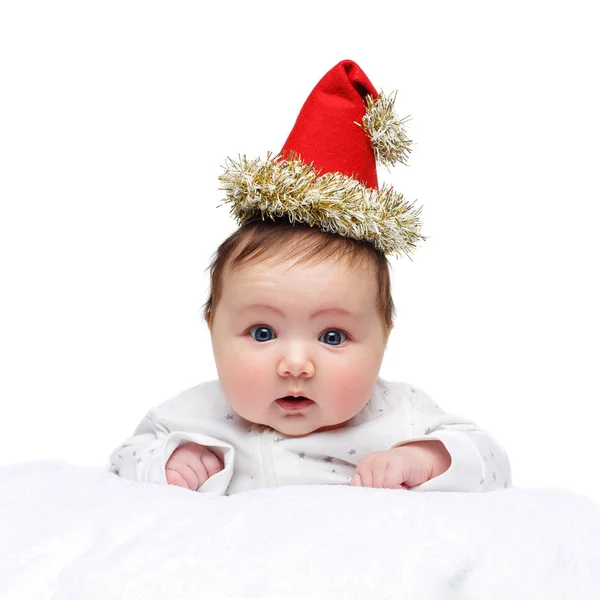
479, 462
143, 456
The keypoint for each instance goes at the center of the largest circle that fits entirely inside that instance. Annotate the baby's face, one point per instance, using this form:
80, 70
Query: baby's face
312, 331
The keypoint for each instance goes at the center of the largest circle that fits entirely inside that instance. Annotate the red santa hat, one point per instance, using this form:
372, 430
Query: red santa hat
325, 175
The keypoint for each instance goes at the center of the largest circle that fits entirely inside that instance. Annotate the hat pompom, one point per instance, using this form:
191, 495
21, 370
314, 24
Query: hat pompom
385, 130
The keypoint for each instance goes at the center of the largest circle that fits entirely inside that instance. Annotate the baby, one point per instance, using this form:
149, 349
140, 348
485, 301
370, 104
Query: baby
299, 313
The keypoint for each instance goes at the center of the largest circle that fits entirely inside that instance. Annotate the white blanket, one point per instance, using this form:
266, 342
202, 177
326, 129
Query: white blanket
84, 534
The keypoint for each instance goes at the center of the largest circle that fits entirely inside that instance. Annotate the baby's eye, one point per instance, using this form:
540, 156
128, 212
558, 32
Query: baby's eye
333, 337
262, 334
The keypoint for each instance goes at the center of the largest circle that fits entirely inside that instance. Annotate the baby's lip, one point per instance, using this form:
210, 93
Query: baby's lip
294, 395
294, 403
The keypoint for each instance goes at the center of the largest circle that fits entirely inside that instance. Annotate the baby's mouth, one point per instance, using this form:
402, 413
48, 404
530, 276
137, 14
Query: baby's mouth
291, 403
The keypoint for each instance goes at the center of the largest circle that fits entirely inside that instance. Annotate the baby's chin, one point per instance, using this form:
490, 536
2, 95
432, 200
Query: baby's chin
292, 425
301, 429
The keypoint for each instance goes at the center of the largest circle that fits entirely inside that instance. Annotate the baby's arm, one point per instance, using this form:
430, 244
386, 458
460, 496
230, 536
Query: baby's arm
478, 461
156, 455
126, 458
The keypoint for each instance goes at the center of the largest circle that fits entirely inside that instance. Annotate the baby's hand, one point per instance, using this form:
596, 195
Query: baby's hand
191, 465
404, 467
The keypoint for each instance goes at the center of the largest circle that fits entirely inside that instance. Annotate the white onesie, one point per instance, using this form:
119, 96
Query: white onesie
256, 456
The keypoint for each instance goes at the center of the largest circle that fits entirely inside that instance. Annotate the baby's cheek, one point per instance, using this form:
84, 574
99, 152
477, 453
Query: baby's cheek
237, 363
244, 380
352, 389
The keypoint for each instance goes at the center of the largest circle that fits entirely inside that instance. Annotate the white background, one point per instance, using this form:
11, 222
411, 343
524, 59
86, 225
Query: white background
115, 120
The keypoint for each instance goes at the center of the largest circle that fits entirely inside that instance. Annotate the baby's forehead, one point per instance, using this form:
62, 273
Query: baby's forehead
309, 286
293, 261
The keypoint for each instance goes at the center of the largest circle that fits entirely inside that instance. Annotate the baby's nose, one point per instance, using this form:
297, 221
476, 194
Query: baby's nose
296, 363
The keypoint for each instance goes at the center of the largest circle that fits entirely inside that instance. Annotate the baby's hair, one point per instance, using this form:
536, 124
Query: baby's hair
257, 241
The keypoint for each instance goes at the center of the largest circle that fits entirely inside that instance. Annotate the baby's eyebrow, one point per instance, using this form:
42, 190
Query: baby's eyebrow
262, 307
333, 309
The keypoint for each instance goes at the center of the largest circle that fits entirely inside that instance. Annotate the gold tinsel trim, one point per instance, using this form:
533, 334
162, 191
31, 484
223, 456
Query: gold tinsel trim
332, 202
385, 130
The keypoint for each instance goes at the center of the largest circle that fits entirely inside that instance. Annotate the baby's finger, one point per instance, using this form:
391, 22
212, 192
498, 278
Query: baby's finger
194, 474
366, 479
356, 480
395, 478
175, 478
191, 463
380, 471
212, 463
